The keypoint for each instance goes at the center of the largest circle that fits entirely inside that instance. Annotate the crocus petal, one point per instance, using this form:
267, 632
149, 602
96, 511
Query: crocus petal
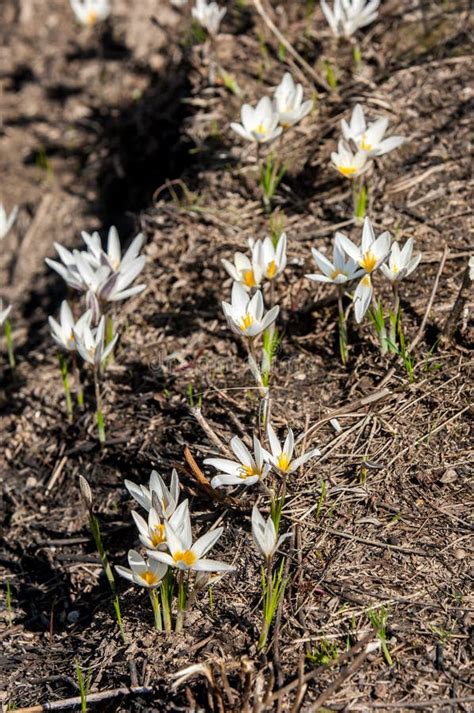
349, 248
301, 460
206, 565
207, 541
362, 297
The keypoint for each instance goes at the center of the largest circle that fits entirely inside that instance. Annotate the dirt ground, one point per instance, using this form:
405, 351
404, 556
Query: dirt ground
123, 125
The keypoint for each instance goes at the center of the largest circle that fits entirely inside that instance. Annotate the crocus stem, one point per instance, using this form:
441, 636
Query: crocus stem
118, 616
267, 582
265, 410
155, 603
77, 379
9, 340
357, 54
272, 293
165, 590
95, 530
99, 413
253, 354
360, 200
262, 415
395, 317
65, 378
109, 335
181, 601
383, 340
342, 325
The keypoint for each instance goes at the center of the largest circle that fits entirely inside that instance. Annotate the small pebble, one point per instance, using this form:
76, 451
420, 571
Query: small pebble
459, 553
73, 616
449, 476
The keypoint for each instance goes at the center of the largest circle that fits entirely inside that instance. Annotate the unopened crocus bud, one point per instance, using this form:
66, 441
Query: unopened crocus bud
86, 492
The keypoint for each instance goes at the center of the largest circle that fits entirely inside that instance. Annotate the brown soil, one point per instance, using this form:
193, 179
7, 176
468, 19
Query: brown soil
122, 126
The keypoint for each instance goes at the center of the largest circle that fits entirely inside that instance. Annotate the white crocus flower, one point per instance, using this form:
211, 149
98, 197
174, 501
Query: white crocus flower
244, 270
272, 260
113, 256
185, 555
79, 269
4, 312
401, 263
245, 316
248, 470
63, 331
337, 272
372, 252
90, 12
167, 497
369, 256
369, 138
6, 221
265, 535
349, 164
282, 457
259, 124
209, 15
350, 15
104, 275
142, 572
90, 343
151, 532
289, 102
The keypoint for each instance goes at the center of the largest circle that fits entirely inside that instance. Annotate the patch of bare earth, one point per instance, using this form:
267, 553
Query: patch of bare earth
123, 126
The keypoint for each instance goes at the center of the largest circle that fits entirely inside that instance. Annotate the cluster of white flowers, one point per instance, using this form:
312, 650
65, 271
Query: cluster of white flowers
267, 120
209, 15
246, 314
347, 16
102, 276
250, 469
166, 535
266, 262
351, 261
361, 142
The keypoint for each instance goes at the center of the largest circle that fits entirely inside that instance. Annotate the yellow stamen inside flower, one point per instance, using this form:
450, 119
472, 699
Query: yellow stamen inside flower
336, 273
249, 278
366, 281
272, 270
364, 145
261, 129
395, 269
186, 556
246, 322
368, 261
158, 535
283, 462
149, 577
247, 471
347, 170
91, 18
